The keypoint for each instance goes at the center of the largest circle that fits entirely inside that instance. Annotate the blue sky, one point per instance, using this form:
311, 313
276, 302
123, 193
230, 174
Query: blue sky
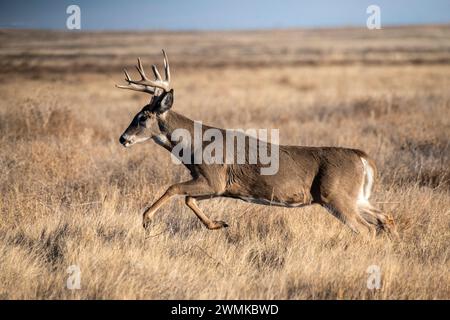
217, 15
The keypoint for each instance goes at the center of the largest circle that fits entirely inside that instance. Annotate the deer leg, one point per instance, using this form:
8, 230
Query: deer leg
197, 187
210, 224
380, 220
347, 214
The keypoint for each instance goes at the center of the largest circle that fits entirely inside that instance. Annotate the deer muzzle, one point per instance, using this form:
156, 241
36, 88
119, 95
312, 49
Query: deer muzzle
125, 140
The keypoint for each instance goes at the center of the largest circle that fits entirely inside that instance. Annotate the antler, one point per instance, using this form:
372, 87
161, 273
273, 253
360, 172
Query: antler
145, 84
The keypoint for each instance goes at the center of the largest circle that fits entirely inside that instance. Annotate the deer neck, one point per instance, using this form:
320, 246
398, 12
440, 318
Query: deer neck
168, 123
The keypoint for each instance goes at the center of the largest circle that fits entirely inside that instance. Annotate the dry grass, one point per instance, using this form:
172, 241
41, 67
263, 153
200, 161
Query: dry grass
72, 195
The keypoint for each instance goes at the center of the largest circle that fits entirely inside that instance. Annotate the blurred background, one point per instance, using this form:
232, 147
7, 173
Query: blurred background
218, 34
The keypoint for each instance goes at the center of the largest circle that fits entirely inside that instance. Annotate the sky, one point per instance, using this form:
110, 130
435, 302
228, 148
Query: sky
218, 15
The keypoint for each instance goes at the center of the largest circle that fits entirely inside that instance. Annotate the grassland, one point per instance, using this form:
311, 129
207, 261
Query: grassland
72, 195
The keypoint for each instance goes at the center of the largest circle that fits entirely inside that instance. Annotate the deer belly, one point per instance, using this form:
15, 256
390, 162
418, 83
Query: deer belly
297, 200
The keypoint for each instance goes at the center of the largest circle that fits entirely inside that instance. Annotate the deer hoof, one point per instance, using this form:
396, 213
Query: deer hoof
146, 223
217, 225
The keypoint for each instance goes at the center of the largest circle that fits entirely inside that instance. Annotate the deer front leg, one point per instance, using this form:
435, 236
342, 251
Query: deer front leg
210, 224
193, 188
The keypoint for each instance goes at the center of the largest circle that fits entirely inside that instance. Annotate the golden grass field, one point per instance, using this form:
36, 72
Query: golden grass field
72, 195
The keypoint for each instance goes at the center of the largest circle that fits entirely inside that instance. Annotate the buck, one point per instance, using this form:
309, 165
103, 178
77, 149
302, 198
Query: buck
338, 179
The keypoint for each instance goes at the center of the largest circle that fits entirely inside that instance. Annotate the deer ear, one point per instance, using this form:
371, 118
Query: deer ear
166, 102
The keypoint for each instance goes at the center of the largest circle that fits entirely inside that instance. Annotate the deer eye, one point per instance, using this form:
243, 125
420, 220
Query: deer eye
142, 119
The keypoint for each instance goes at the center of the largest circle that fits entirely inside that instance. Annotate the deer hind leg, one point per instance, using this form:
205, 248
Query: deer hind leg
383, 222
193, 188
345, 210
210, 224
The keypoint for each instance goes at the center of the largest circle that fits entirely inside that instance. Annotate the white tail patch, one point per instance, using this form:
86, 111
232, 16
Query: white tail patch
366, 184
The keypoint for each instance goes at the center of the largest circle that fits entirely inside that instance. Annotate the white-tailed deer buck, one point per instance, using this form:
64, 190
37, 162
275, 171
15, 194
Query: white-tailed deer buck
338, 179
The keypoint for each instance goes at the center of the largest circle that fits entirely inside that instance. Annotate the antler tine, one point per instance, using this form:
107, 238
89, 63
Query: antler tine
127, 76
166, 66
140, 69
156, 72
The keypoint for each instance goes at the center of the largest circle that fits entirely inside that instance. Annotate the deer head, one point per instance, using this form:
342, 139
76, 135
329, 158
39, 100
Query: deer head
145, 124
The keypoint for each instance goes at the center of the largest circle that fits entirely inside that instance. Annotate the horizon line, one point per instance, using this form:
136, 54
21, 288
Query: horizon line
201, 30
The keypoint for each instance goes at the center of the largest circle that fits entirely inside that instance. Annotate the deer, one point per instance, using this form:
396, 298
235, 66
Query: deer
338, 179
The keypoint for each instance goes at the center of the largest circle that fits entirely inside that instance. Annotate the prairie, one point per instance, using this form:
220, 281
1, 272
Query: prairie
72, 195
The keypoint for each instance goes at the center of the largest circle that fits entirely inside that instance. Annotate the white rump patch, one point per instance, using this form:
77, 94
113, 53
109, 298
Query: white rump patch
366, 184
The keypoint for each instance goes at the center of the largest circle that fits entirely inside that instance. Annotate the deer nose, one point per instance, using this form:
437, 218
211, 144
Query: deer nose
122, 140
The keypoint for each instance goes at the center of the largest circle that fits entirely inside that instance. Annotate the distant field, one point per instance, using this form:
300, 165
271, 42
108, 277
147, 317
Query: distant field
109, 51
72, 195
